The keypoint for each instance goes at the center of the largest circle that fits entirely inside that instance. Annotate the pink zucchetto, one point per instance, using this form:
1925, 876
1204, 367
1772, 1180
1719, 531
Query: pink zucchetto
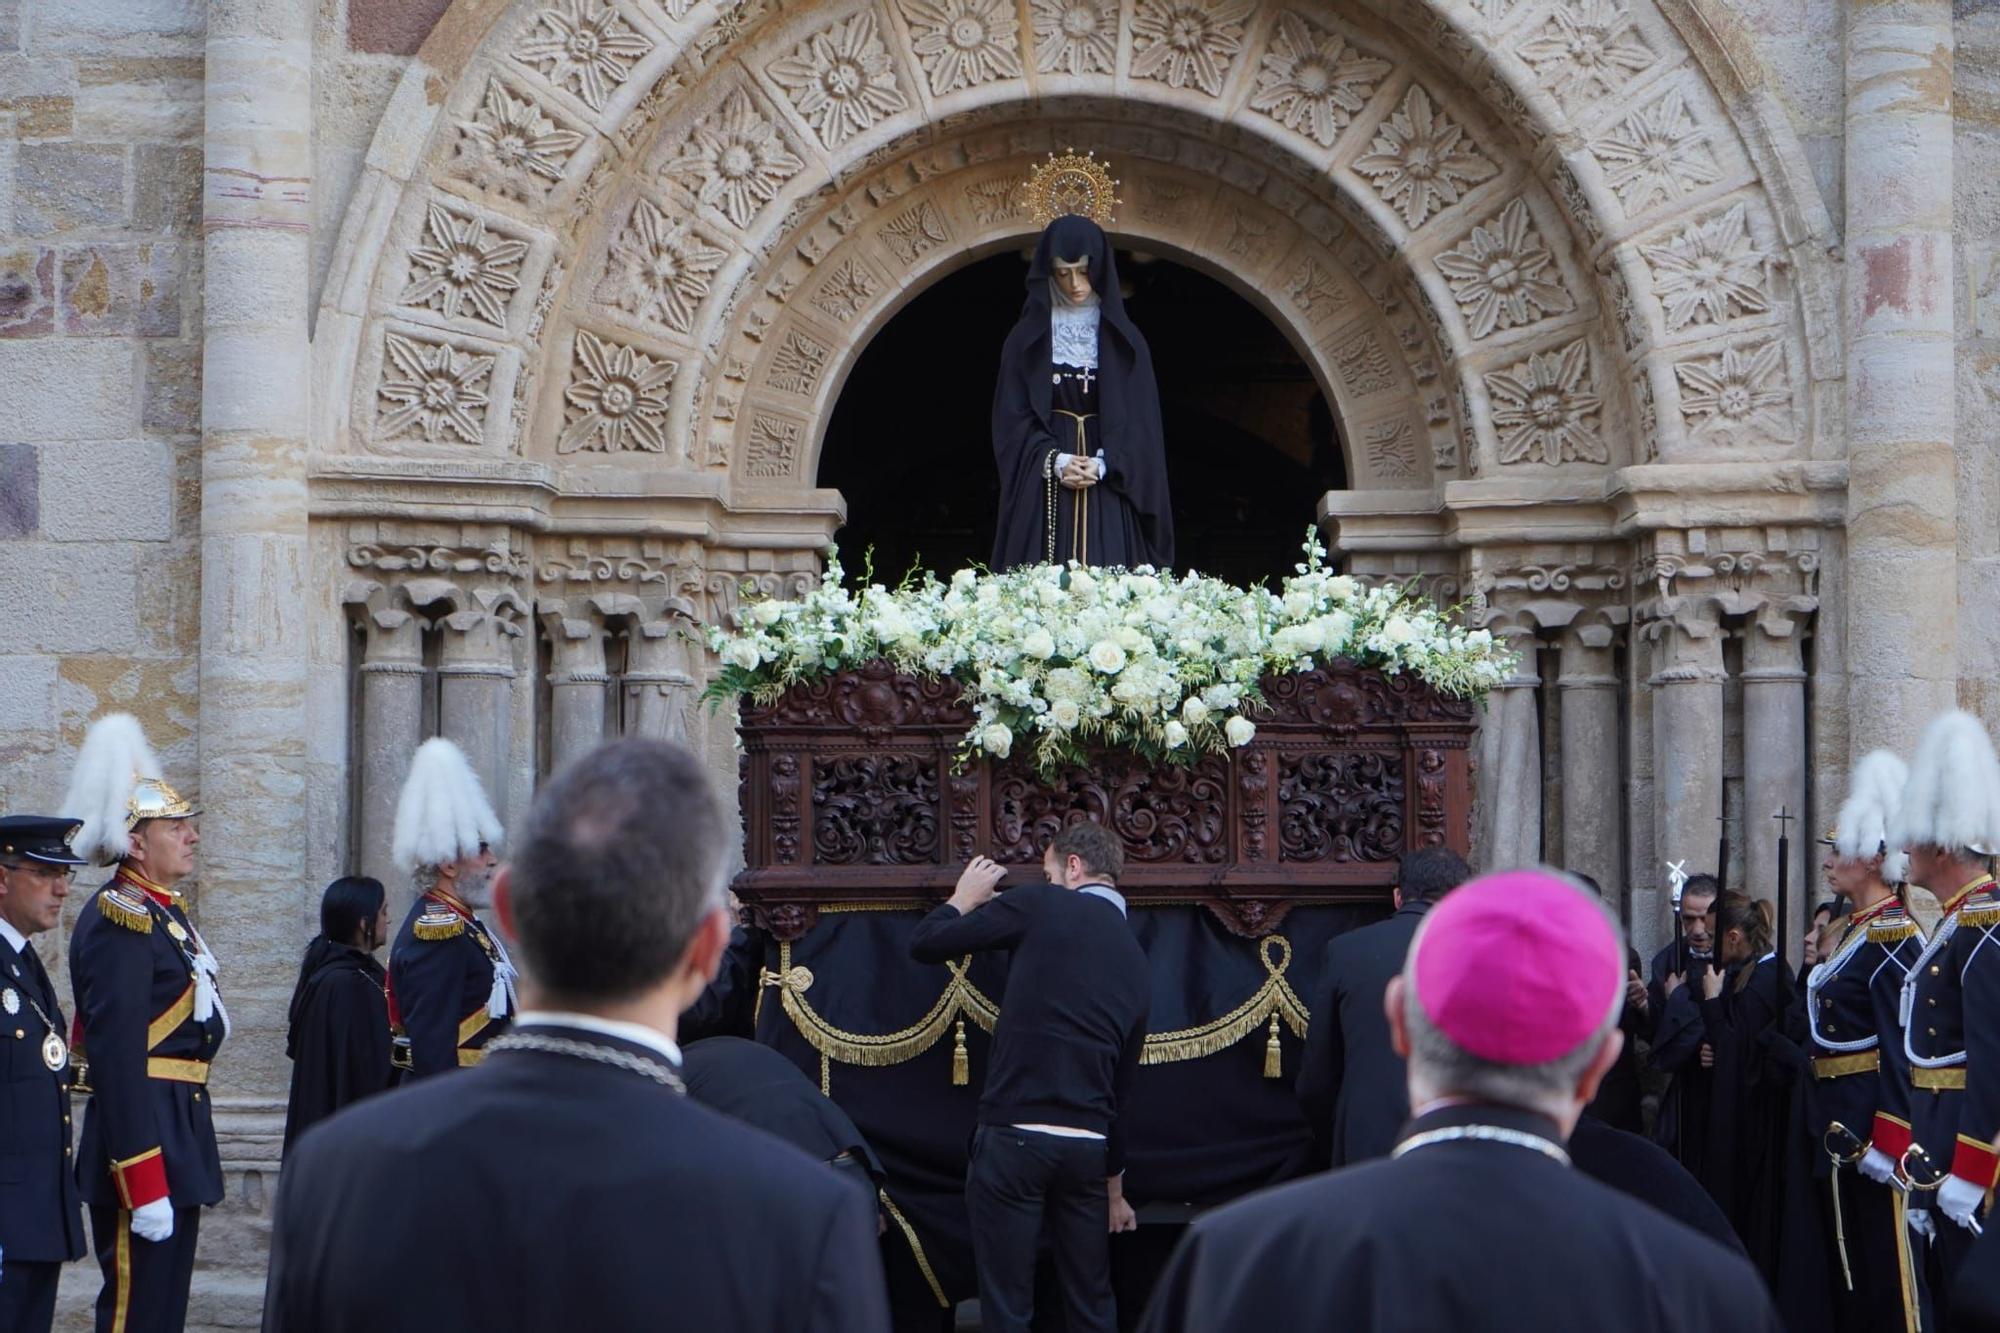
1517, 968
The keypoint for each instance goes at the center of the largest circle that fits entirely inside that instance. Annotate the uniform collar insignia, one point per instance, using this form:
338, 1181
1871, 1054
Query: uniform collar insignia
451, 902
159, 893
1958, 899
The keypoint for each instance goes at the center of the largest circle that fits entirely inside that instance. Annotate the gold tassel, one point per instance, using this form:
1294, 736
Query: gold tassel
1985, 914
1893, 931
121, 910
445, 926
1274, 1055
961, 1063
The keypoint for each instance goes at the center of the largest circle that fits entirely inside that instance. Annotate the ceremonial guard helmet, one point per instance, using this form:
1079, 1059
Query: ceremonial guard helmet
118, 784
1862, 829
442, 814
1952, 798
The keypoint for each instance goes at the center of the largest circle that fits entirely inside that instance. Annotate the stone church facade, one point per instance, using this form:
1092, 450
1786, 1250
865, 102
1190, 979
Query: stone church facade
379, 368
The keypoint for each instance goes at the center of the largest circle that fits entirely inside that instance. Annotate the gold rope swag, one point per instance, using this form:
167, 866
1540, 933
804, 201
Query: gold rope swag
1273, 1003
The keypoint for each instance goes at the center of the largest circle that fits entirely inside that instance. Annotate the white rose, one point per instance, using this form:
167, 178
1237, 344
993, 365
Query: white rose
1065, 714
1220, 696
1195, 711
1397, 629
1479, 638
1298, 603
964, 579
996, 740
1131, 640
1239, 730
767, 613
1081, 583
1039, 644
1335, 630
742, 653
1175, 735
1341, 587
1107, 657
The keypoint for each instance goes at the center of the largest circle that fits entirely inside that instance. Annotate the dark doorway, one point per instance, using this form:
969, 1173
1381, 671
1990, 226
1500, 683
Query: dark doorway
1251, 444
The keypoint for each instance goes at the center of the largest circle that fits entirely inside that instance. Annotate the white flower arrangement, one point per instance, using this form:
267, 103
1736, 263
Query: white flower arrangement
1057, 660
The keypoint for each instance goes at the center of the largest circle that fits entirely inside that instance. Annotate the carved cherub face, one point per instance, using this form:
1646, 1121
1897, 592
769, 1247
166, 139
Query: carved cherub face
1073, 280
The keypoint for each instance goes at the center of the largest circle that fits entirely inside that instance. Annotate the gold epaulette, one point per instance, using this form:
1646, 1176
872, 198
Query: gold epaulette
1892, 927
124, 909
438, 926
1981, 909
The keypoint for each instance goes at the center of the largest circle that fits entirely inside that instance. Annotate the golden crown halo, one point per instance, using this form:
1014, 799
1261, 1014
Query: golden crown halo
1071, 183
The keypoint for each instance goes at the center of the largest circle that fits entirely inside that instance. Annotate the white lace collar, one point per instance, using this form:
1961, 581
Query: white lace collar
1073, 333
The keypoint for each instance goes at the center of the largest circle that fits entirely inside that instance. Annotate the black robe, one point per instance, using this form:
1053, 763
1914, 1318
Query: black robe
339, 1040
1038, 413
1677, 1038
546, 1190
1466, 1235
1759, 1164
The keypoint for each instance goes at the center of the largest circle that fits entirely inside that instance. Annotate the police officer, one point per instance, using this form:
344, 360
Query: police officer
451, 983
1949, 822
41, 1220
150, 1020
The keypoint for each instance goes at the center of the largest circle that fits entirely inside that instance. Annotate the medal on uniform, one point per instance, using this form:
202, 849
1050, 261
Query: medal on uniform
54, 1054
10, 1001
174, 929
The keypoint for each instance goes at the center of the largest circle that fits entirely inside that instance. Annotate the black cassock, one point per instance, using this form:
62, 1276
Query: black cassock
1466, 1234
339, 1042
1677, 1036
1042, 409
1759, 1164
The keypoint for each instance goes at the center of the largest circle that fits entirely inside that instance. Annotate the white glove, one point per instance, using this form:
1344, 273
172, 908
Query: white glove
1879, 1167
1920, 1222
153, 1221
1959, 1199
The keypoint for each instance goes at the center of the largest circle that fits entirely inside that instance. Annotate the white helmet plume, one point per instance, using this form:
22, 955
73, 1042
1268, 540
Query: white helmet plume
1874, 792
113, 758
443, 813
1952, 799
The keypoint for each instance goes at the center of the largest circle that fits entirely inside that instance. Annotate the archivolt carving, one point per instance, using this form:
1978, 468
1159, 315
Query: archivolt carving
790, 166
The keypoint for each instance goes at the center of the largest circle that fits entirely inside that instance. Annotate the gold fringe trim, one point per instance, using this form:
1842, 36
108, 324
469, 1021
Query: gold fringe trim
1892, 930
1275, 1000
121, 910
1977, 918
959, 1001
916, 1247
427, 927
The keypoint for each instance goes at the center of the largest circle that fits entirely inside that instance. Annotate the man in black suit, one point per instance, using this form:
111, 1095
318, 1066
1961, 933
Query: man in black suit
566, 1181
1050, 1140
41, 1216
1350, 1083
1507, 1012
749, 1081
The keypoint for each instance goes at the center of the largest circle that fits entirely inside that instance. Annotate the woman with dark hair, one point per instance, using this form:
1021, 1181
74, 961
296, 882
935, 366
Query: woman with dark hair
339, 1041
1758, 1165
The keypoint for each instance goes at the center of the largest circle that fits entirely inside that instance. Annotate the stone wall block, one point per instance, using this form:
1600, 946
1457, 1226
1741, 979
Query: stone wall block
70, 598
27, 697
98, 286
172, 402
59, 187
91, 491
142, 98
68, 388
166, 187
20, 491
27, 291
392, 27
136, 27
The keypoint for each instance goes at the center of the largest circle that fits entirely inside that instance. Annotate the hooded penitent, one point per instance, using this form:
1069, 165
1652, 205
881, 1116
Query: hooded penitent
443, 813
1130, 517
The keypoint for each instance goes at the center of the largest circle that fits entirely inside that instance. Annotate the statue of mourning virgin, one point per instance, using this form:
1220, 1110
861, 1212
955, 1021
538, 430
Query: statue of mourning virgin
1076, 412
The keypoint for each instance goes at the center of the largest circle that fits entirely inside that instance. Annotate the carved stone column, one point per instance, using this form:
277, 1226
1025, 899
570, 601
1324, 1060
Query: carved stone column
663, 675
476, 677
1902, 503
1591, 790
1774, 757
1687, 681
577, 685
392, 719
256, 229
1509, 785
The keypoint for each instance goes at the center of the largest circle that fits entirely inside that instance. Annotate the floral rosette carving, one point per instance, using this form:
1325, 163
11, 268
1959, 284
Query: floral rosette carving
1061, 664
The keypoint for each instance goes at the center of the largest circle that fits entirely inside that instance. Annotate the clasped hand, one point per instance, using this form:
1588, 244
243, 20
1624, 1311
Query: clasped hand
1080, 474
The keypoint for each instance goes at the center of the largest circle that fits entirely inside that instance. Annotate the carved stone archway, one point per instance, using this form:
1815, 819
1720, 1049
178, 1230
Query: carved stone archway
1552, 262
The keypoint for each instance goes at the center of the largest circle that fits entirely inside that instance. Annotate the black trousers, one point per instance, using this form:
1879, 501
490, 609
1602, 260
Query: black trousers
1022, 1186
28, 1295
1881, 1255
145, 1282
